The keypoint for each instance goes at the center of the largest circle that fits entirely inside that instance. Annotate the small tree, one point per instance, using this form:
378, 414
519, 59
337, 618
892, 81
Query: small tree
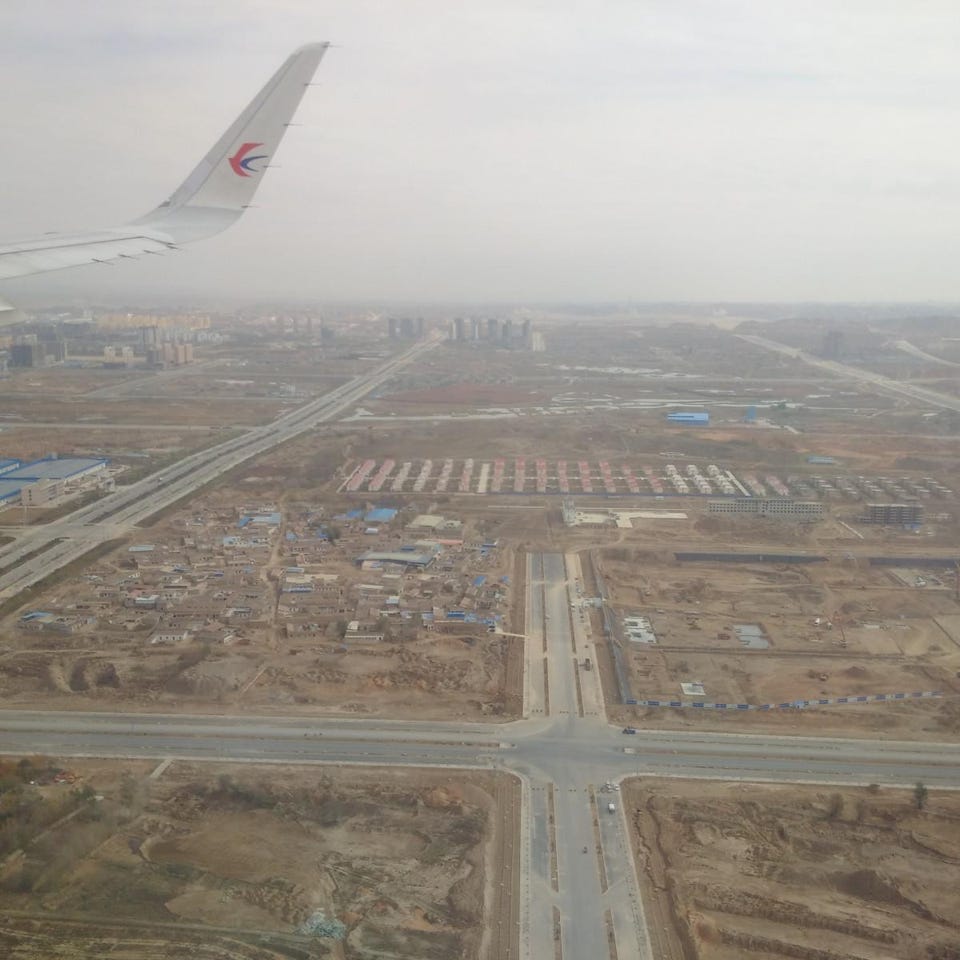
920, 794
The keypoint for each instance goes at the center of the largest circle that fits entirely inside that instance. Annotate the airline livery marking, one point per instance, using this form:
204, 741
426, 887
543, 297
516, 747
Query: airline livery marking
242, 164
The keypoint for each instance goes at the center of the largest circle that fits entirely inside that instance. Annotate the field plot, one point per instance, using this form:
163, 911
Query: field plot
772, 633
738, 871
254, 862
130, 411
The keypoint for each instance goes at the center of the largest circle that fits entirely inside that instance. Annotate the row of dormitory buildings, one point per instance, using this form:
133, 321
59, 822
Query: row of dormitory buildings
890, 514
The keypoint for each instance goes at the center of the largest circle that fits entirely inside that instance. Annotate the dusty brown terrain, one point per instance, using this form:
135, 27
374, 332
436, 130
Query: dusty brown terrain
262, 862
738, 871
245, 643
283, 653
835, 629
470, 394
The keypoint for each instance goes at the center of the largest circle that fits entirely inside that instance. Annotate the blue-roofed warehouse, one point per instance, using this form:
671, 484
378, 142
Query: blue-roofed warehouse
56, 468
10, 489
7, 465
689, 418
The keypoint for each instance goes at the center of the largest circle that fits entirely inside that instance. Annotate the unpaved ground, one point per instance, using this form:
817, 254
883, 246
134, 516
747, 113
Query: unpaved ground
471, 394
246, 861
739, 871
835, 629
435, 679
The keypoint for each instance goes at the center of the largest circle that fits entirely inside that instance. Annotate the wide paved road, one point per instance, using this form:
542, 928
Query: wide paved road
599, 752
563, 752
932, 398
39, 551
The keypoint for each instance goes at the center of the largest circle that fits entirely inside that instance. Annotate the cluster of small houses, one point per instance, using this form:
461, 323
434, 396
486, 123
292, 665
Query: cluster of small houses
334, 579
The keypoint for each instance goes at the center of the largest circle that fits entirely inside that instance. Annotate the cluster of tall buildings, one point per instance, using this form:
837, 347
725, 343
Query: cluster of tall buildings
30, 351
492, 330
298, 324
161, 352
405, 328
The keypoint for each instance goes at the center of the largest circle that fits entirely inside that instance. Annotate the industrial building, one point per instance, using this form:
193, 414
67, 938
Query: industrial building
42, 482
805, 510
55, 468
9, 491
909, 514
690, 418
406, 558
41, 493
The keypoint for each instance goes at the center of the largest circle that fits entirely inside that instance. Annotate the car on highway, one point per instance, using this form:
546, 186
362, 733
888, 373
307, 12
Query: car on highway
629, 729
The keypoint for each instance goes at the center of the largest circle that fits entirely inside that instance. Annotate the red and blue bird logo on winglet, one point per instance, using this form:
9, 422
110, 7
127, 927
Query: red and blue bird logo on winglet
241, 164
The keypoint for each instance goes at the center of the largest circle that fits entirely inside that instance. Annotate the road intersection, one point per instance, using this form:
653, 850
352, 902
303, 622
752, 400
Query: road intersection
563, 751
578, 889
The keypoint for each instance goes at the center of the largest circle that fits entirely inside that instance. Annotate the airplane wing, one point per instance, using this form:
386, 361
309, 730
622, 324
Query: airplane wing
214, 195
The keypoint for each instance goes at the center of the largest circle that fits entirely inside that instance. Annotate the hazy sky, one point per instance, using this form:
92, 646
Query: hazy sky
515, 150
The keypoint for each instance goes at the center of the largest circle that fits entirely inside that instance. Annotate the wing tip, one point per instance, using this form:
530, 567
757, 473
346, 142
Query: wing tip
319, 46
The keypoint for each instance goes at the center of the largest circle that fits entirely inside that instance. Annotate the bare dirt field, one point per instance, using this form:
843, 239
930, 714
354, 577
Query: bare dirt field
840, 628
129, 411
431, 681
738, 871
473, 394
257, 862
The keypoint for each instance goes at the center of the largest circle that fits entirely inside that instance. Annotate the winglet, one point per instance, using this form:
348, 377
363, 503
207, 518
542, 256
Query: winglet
224, 182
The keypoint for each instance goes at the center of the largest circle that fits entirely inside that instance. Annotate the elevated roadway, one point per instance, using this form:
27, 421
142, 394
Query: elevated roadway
40, 551
924, 395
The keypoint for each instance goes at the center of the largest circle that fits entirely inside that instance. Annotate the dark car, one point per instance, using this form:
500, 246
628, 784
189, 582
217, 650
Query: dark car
629, 729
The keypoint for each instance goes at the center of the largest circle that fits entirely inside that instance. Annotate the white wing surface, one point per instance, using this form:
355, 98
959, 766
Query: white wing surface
208, 201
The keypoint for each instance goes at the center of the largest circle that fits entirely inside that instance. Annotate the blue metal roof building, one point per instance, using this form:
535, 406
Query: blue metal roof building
380, 515
7, 465
689, 418
55, 468
9, 489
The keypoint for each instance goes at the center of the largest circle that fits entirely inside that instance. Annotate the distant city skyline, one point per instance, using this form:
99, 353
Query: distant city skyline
515, 153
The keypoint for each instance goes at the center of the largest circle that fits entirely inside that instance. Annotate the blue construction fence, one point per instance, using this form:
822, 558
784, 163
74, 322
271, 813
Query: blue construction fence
789, 704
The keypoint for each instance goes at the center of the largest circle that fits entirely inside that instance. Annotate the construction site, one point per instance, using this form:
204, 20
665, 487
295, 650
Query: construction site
494, 559
741, 870
143, 861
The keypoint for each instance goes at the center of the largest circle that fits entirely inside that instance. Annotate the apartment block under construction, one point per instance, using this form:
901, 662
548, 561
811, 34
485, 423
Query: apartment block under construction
894, 514
804, 510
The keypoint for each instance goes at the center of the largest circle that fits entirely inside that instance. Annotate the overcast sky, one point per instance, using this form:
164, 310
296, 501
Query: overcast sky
515, 150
